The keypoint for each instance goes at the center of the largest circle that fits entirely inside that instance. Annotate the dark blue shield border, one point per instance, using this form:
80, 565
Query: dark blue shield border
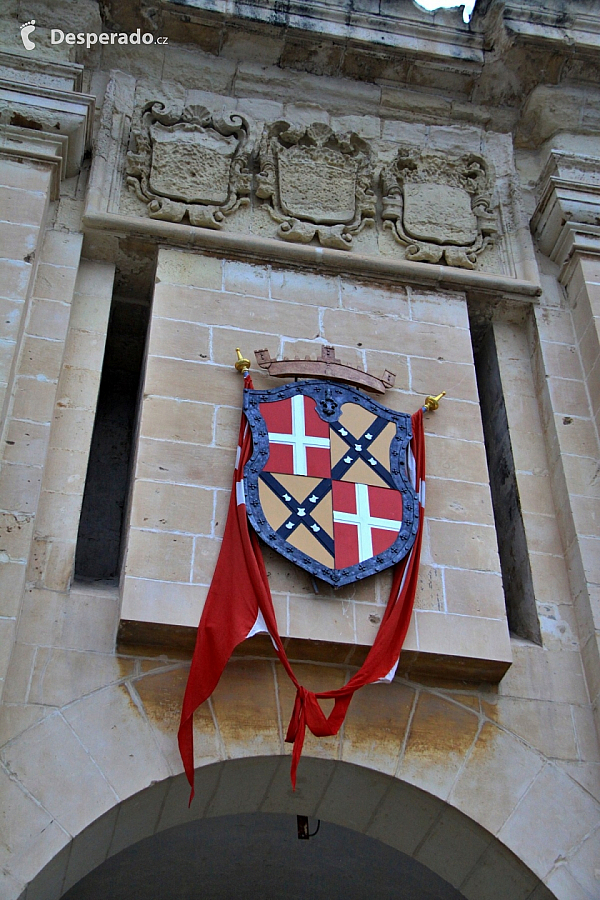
329, 398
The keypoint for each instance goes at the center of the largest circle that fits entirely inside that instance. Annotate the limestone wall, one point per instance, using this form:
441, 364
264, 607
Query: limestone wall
485, 741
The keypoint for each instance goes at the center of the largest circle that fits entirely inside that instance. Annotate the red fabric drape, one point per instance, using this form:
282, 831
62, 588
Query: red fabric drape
239, 594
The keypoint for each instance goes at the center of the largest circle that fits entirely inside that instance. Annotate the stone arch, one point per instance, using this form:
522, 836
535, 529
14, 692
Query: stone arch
398, 814
83, 772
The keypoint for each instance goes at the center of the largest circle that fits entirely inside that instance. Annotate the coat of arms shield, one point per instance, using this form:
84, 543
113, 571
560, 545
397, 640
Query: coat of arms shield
328, 484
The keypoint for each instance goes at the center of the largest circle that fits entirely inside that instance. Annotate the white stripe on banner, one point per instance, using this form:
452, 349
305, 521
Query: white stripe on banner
259, 627
387, 679
240, 495
411, 466
237, 456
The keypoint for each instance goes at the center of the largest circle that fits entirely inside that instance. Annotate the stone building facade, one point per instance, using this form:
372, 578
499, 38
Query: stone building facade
424, 195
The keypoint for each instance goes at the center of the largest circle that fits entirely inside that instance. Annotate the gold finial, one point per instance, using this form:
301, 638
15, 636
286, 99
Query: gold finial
242, 364
432, 403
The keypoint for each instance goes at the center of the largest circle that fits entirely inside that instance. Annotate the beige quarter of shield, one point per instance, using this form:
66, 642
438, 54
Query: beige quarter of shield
357, 420
276, 513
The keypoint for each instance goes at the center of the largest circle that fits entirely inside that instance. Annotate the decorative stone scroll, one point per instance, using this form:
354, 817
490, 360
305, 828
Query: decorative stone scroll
317, 182
439, 206
189, 162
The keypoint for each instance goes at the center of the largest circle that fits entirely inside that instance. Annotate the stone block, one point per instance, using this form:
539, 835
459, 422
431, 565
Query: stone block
41, 357
394, 827
62, 249
381, 332
34, 399
18, 242
377, 301
456, 459
553, 675
375, 725
72, 429
247, 279
441, 733
49, 319
459, 501
161, 694
192, 269
61, 676
474, 593
12, 582
185, 464
117, 736
545, 725
497, 875
150, 601
50, 756
84, 350
28, 176
557, 813
91, 619
473, 637
224, 342
20, 488
335, 95
159, 555
20, 667
206, 551
90, 848
352, 797
453, 847
10, 313
242, 787
137, 817
179, 340
78, 389
178, 420
29, 836
172, 507
22, 207
56, 510
54, 282
454, 139
65, 471
303, 288
331, 621
497, 774
245, 707
26, 442
196, 70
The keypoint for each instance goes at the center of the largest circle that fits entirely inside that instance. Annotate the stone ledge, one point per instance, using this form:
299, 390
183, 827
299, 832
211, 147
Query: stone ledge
152, 639
321, 259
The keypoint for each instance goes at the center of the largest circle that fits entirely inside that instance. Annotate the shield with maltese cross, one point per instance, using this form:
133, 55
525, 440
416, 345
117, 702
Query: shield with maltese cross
328, 482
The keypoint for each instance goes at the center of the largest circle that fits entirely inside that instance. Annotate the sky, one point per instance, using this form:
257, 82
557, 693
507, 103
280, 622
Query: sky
436, 4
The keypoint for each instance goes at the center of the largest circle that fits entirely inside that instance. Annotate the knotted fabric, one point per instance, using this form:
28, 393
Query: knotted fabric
239, 605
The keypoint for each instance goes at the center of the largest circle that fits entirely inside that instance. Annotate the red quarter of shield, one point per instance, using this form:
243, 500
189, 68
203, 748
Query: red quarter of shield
299, 442
366, 521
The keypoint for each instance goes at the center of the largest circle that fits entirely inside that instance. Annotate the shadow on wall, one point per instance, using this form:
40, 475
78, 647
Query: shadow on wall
379, 837
258, 855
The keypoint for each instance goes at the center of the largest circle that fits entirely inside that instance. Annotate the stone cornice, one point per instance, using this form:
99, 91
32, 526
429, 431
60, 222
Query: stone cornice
566, 218
45, 109
41, 72
253, 247
47, 148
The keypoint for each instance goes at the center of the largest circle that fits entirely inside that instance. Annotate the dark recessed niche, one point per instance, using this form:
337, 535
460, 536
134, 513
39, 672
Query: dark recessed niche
107, 481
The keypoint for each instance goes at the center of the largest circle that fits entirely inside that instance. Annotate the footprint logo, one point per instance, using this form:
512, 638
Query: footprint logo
26, 30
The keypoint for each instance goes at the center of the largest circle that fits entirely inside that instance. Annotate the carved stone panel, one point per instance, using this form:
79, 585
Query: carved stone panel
318, 183
439, 207
189, 162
